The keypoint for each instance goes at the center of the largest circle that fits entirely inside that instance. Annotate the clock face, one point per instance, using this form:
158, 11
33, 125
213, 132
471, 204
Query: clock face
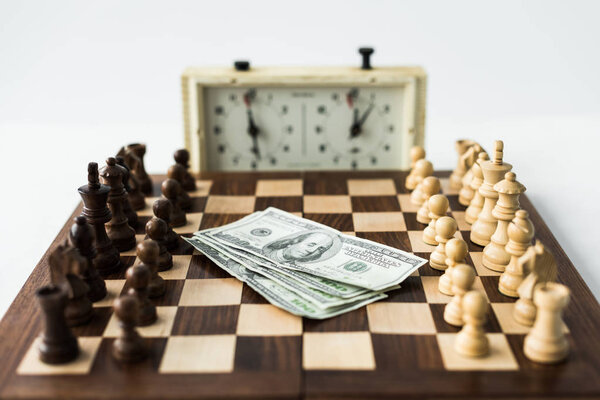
266, 128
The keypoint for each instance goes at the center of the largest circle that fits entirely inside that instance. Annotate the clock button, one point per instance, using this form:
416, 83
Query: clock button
241, 65
366, 52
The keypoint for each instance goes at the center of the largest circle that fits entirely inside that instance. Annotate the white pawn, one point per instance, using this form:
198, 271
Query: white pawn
445, 228
472, 341
430, 186
546, 342
466, 193
438, 207
463, 277
456, 251
476, 203
416, 153
520, 233
465, 160
542, 268
423, 169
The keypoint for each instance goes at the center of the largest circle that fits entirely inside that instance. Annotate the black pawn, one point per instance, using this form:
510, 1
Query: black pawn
147, 252
137, 151
157, 229
82, 238
132, 217
171, 189
163, 209
137, 200
58, 345
177, 172
118, 230
96, 213
182, 157
138, 279
129, 346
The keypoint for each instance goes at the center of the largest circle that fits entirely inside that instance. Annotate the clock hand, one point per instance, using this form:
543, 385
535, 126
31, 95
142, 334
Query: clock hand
356, 127
252, 130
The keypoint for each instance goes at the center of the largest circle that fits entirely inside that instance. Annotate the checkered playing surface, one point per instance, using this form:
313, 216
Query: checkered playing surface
208, 322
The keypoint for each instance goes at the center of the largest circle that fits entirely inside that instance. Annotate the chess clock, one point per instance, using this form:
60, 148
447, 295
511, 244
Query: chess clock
303, 118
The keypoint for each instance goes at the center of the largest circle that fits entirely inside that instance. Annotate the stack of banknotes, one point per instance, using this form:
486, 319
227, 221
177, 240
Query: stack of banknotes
304, 267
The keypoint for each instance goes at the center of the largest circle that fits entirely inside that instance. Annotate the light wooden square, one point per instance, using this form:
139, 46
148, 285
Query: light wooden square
230, 204
202, 188
504, 315
338, 351
371, 187
327, 204
406, 205
400, 318
500, 357
88, 347
267, 320
132, 252
198, 354
181, 264
433, 294
446, 189
477, 257
211, 292
161, 328
459, 217
419, 246
349, 233
192, 225
379, 222
279, 187
147, 211
113, 290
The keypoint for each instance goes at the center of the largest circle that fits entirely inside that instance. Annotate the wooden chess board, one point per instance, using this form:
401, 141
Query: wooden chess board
216, 337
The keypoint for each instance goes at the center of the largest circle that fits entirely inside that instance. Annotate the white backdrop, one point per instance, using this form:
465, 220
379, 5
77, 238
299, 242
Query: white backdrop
79, 79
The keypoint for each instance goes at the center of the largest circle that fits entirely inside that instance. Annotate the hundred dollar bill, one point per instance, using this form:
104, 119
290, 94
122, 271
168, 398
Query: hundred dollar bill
325, 285
277, 294
299, 244
318, 298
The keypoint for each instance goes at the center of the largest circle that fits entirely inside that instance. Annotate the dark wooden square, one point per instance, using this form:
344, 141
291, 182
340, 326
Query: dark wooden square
353, 321
425, 269
250, 296
234, 187
375, 203
213, 320
106, 365
397, 240
411, 291
140, 228
270, 353
316, 183
201, 267
406, 352
97, 325
198, 204
470, 245
490, 284
183, 248
172, 293
216, 220
437, 311
289, 204
454, 204
341, 222
410, 218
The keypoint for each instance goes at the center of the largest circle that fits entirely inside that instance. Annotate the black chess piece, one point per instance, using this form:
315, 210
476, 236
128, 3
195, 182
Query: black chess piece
177, 172
148, 252
182, 157
82, 237
118, 230
67, 267
138, 279
163, 209
135, 152
171, 189
129, 346
157, 229
96, 213
137, 200
132, 217
58, 345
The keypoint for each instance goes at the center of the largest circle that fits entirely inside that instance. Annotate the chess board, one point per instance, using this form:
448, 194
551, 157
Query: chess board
215, 337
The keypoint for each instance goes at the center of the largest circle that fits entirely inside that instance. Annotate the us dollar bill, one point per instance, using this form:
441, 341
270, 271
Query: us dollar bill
275, 293
317, 297
328, 286
295, 243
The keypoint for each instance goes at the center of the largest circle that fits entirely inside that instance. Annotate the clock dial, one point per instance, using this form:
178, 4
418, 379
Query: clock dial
303, 128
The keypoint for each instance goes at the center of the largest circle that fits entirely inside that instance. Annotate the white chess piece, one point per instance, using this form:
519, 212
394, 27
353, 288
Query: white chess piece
463, 277
438, 207
445, 228
456, 251
472, 341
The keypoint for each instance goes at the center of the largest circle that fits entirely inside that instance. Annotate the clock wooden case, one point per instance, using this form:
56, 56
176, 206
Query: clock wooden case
302, 118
